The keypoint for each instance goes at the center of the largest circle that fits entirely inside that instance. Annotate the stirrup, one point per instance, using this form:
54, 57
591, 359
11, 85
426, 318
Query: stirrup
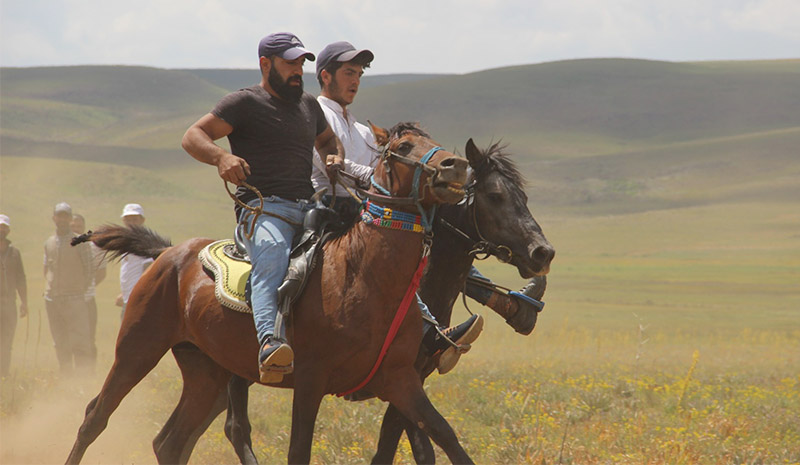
462, 345
279, 362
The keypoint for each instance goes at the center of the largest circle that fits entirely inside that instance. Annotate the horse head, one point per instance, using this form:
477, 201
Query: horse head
501, 219
414, 165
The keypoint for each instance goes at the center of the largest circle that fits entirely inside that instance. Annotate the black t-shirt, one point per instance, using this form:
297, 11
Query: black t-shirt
276, 138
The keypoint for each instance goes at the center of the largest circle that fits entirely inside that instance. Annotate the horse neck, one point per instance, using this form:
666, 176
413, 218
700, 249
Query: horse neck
448, 265
390, 256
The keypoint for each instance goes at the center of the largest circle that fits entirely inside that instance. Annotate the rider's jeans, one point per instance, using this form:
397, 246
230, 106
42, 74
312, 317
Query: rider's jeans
269, 251
426, 313
479, 293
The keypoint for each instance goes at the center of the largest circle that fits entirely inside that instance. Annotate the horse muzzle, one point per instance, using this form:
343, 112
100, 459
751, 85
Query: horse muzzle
448, 182
537, 263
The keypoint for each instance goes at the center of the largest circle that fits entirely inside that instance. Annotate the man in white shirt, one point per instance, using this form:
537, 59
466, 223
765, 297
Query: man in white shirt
339, 69
131, 266
339, 78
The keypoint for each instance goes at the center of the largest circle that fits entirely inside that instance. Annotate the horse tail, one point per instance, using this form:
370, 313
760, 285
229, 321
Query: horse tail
120, 240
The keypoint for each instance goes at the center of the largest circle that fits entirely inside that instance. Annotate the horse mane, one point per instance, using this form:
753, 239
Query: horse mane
496, 159
406, 127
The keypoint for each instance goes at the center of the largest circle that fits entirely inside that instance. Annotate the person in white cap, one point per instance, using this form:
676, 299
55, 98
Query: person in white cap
12, 282
68, 273
131, 266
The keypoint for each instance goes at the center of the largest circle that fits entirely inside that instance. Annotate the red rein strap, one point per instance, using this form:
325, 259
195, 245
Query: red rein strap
398, 320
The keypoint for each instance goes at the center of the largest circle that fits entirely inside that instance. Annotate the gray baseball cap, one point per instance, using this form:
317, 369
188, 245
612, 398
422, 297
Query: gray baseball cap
342, 52
285, 45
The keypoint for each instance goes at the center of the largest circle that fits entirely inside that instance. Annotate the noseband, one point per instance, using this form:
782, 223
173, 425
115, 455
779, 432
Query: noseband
483, 248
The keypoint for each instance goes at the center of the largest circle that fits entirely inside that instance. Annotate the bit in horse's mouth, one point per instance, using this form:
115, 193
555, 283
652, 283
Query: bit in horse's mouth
454, 187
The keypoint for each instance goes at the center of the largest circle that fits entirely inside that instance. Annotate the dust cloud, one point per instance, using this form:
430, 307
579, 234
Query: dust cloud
42, 430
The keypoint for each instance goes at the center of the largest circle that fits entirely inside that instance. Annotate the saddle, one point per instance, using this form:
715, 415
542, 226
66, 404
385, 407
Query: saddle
227, 262
231, 272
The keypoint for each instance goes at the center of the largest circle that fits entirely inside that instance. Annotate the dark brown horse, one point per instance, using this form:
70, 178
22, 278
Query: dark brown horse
337, 326
494, 219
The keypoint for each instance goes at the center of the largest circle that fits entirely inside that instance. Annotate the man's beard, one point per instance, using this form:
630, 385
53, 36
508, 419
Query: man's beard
283, 88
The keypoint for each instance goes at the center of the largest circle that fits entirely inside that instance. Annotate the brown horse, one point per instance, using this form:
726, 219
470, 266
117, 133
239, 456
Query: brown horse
494, 220
337, 326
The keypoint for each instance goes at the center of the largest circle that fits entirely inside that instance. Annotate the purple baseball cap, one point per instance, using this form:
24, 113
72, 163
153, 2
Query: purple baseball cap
285, 45
340, 51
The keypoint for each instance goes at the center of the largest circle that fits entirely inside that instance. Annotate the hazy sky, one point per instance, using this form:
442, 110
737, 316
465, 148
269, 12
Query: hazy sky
439, 36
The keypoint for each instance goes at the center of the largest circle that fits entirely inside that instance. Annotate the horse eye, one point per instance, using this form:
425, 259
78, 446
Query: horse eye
495, 197
404, 149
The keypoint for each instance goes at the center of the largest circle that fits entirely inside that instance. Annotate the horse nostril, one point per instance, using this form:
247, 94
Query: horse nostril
447, 162
543, 254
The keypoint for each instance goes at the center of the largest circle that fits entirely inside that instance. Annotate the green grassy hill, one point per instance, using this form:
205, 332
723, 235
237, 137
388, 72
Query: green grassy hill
117, 106
233, 79
586, 107
597, 135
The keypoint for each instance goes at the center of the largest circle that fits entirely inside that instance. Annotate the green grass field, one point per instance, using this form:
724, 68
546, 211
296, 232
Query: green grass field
669, 336
671, 192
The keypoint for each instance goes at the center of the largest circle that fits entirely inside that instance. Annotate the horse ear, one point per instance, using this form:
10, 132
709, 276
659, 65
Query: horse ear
381, 135
474, 155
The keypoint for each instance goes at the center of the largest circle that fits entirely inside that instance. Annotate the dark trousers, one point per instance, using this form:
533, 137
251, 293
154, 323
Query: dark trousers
69, 326
91, 307
8, 325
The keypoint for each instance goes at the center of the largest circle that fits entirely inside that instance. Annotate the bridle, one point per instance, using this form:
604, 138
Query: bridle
481, 248
420, 166
376, 214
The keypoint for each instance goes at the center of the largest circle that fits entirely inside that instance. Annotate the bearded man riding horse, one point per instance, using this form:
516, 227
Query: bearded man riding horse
272, 129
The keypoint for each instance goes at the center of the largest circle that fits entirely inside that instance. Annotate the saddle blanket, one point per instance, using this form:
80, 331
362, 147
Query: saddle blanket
230, 274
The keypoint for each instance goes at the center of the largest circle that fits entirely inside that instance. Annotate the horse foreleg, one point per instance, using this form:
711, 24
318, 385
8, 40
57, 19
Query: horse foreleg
392, 430
421, 445
308, 393
202, 400
129, 368
407, 395
237, 423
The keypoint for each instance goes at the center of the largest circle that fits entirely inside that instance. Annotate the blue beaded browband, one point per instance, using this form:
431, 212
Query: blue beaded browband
388, 218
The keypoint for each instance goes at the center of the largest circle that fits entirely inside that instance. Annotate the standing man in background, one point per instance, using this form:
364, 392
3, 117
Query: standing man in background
131, 266
68, 273
12, 282
78, 226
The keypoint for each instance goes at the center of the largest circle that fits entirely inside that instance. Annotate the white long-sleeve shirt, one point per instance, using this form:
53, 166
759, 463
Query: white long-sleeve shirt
358, 141
130, 270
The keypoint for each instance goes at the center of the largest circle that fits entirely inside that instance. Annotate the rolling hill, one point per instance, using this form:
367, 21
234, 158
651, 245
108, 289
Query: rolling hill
597, 136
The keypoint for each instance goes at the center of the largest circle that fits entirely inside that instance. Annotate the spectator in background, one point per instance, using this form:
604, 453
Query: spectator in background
68, 274
132, 266
78, 226
12, 282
